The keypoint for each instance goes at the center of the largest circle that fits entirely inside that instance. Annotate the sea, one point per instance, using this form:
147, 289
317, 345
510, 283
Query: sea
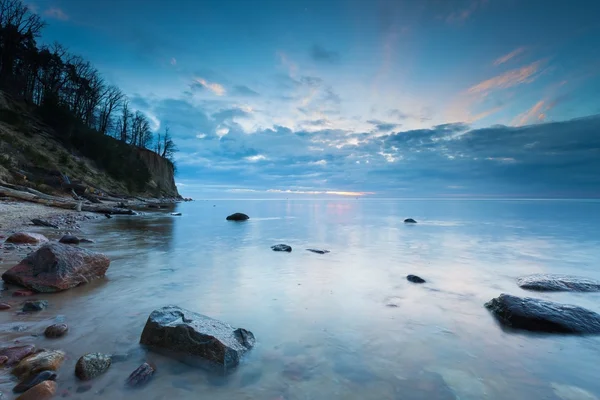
342, 325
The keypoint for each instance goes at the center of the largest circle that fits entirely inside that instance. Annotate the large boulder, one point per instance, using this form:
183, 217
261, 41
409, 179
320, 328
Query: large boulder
558, 283
543, 316
186, 332
55, 267
26, 238
237, 217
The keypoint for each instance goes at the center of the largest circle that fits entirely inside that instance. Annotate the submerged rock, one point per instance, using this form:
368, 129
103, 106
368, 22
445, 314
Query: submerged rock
410, 221
34, 380
92, 365
84, 240
69, 239
281, 247
56, 267
40, 222
141, 375
558, 283
415, 279
543, 316
35, 305
56, 331
49, 360
5, 306
179, 330
176, 214
16, 353
237, 217
318, 251
26, 238
41, 391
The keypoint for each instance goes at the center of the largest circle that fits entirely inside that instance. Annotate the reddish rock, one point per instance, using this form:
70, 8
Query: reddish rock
55, 267
26, 238
141, 375
16, 353
3, 360
41, 391
49, 360
56, 330
5, 306
23, 293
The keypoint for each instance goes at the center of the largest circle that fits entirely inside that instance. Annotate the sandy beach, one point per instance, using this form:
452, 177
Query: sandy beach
16, 216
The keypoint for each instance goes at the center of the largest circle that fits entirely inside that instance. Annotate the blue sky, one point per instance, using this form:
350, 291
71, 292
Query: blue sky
382, 98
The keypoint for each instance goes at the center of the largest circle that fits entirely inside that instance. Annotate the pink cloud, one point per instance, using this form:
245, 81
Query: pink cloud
509, 56
460, 16
56, 13
536, 112
526, 74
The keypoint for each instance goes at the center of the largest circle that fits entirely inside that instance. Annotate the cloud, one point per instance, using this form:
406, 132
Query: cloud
460, 16
509, 56
526, 74
243, 90
173, 61
200, 83
533, 112
56, 13
323, 55
256, 158
381, 126
229, 114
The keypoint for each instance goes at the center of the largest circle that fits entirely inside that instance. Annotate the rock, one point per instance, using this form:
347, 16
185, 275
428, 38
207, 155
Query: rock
9, 246
35, 305
84, 240
23, 293
415, 279
141, 375
237, 217
5, 306
56, 267
410, 221
558, 283
3, 360
34, 380
108, 216
176, 214
56, 331
42, 391
26, 238
543, 316
281, 247
69, 239
49, 360
179, 330
319, 251
16, 353
92, 365
39, 222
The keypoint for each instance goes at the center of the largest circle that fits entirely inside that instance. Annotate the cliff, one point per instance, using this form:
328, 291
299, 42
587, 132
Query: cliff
162, 174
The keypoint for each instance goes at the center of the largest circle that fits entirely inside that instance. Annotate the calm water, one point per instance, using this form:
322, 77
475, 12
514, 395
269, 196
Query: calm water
344, 325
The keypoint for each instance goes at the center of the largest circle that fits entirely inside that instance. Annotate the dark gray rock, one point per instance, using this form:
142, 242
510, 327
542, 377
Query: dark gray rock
35, 305
318, 251
415, 279
558, 283
410, 221
92, 365
69, 239
543, 316
56, 331
181, 331
237, 217
176, 214
34, 380
84, 240
39, 222
281, 247
141, 375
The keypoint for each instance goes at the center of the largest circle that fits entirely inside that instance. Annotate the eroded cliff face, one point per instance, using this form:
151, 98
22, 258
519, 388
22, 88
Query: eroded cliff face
162, 172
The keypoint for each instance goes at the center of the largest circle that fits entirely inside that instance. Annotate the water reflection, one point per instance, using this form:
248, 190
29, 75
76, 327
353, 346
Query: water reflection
323, 324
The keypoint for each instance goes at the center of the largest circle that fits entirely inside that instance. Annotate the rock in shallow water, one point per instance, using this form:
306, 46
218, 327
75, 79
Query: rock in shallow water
543, 316
34, 380
281, 247
415, 279
56, 267
56, 331
237, 217
49, 360
16, 353
26, 238
186, 332
35, 305
5, 306
318, 251
92, 365
410, 221
141, 375
558, 283
41, 391
69, 239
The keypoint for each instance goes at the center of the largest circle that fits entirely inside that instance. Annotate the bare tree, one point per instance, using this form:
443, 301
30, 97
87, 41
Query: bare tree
112, 100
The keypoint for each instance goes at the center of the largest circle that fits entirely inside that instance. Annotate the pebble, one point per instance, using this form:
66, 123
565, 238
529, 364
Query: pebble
92, 365
56, 330
35, 305
141, 375
3, 360
5, 306
42, 391
33, 381
415, 279
281, 247
16, 353
42, 361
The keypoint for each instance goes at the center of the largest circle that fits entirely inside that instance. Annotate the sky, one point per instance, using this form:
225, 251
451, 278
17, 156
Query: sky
376, 98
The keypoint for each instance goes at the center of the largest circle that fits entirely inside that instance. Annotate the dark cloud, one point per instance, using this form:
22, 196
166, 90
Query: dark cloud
228, 114
243, 90
138, 101
381, 126
320, 54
